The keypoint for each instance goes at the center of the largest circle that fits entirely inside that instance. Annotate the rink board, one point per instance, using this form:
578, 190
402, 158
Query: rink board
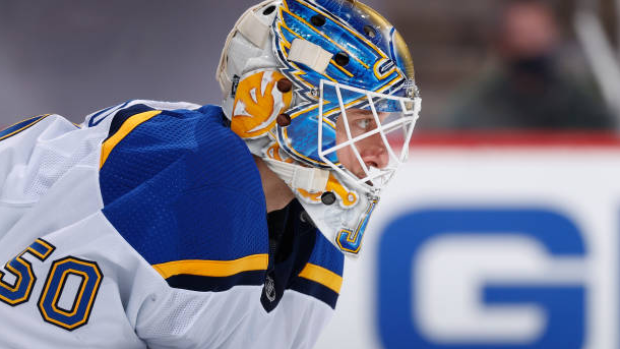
504, 245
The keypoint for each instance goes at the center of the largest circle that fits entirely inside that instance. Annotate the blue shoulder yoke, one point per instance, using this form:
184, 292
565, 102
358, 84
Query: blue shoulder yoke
182, 186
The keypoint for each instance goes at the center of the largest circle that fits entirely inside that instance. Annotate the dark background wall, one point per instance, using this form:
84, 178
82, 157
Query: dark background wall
73, 57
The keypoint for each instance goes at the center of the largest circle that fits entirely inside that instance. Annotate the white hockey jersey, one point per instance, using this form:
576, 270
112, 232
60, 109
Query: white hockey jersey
145, 227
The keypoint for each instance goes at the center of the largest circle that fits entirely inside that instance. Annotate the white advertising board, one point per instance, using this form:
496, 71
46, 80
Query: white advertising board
489, 247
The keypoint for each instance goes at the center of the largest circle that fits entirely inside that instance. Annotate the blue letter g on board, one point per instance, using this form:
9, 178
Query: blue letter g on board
563, 305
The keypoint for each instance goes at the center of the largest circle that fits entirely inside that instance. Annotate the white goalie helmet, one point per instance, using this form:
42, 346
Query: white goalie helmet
324, 92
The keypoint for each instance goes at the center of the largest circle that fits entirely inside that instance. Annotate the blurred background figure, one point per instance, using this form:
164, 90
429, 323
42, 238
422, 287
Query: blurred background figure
527, 86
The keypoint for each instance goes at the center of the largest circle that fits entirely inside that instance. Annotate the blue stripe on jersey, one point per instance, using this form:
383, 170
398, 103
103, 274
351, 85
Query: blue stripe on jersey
315, 290
181, 186
20, 126
327, 255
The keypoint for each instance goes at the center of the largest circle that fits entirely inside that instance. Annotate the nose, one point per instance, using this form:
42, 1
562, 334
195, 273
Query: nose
374, 152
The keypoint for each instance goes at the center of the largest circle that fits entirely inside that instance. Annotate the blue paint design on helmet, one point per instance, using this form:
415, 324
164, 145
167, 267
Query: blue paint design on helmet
373, 57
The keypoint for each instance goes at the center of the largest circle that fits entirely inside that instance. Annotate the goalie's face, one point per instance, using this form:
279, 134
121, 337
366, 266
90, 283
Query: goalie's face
364, 136
372, 150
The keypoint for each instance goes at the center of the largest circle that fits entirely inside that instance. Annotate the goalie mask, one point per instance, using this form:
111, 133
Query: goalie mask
324, 92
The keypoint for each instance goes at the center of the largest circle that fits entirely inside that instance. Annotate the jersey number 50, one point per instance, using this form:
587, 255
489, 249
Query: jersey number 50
19, 290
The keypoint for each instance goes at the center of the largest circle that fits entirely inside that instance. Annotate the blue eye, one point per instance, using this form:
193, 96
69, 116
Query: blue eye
363, 124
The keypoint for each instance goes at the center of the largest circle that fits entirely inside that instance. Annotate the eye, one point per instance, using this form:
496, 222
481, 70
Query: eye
363, 124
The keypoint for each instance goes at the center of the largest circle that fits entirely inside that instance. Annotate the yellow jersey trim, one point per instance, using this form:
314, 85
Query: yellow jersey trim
126, 129
213, 268
322, 276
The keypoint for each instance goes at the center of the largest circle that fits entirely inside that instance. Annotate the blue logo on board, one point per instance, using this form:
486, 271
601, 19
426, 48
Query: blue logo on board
562, 305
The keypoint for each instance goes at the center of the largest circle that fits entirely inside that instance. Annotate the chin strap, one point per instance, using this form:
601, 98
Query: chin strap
310, 179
